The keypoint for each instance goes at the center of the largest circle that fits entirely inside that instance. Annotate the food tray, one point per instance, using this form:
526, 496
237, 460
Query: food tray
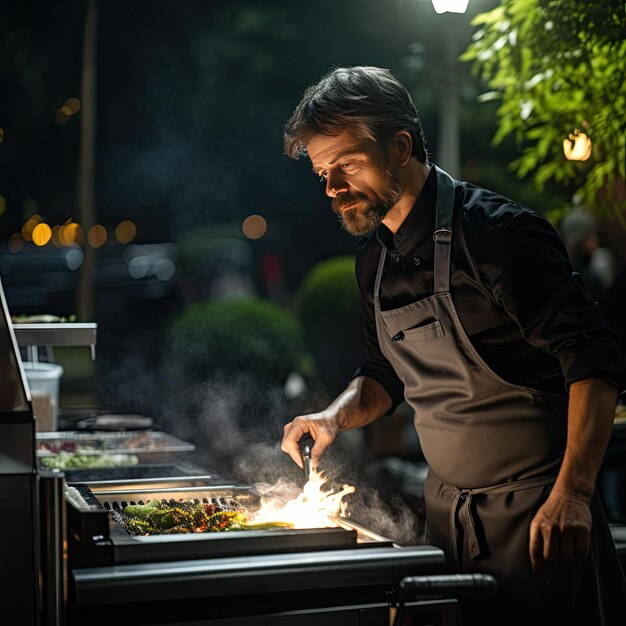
146, 446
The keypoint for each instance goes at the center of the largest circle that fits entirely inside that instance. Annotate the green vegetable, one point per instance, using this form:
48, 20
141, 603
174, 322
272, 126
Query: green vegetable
224, 520
156, 518
137, 526
142, 511
71, 460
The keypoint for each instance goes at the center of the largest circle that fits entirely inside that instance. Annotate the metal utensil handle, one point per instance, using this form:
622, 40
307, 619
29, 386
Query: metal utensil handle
306, 462
464, 586
306, 443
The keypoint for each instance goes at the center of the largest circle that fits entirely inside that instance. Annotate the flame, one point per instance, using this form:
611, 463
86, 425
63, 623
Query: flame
313, 508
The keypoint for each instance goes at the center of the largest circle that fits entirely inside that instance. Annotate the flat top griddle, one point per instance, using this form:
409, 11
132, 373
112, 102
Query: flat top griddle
101, 499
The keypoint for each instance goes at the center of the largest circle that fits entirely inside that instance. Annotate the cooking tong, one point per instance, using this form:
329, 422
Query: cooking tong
306, 443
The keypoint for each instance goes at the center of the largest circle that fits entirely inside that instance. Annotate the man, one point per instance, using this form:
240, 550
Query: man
474, 316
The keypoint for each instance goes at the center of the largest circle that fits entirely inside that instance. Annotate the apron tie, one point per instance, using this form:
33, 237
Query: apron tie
461, 509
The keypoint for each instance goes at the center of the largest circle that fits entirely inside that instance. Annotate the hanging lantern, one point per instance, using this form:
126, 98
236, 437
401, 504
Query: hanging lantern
577, 147
450, 6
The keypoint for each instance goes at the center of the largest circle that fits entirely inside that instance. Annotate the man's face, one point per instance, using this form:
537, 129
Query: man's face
358, 179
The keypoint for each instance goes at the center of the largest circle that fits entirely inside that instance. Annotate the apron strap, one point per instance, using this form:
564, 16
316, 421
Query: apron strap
443, 230
379, 273
442, 236
461, 509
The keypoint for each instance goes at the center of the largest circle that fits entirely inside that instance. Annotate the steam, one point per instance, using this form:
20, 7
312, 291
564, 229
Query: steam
236, 422
388, 516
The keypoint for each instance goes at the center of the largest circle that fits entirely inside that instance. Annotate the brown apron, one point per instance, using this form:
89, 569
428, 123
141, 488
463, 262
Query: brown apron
493, 450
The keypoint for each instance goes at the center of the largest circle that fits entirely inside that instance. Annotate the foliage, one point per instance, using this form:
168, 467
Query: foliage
557, 67
237, 335
329, 293
329, 305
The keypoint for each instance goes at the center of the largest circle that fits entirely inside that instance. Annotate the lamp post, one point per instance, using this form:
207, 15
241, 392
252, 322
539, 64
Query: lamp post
449, 142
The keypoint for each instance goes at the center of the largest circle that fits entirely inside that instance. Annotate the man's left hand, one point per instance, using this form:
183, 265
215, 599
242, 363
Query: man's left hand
560, 530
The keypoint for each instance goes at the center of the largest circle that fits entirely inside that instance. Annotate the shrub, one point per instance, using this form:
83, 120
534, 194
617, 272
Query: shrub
243, 335
329, 304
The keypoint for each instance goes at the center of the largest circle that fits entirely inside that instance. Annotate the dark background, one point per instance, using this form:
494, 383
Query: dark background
192, 97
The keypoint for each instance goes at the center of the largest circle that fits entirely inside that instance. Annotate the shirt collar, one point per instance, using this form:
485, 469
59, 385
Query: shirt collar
418, 223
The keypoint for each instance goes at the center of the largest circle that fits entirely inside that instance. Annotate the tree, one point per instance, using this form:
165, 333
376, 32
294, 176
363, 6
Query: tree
559, 67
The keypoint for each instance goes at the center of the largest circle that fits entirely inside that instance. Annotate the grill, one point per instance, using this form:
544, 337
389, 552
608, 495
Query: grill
318, 576
98, 538
70, 564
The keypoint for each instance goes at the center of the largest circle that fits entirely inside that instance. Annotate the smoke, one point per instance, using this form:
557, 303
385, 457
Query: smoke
389, 516
236, 422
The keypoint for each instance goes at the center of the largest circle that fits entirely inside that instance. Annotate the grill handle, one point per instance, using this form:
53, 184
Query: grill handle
460, 586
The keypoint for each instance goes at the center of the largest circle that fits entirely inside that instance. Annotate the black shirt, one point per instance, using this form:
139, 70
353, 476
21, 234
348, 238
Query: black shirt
529, 316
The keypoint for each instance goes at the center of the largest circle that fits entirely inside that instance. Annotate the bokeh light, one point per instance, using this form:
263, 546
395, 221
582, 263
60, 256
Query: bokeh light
60, 117
577, 146
41, 234
165, 269
74, 258
254, 226
71, 234
125, 232
55, 236
97, 236
16, 243
73, 104
29, 226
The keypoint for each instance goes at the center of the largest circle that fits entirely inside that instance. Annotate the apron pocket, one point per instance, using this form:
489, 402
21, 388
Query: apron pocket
434, 330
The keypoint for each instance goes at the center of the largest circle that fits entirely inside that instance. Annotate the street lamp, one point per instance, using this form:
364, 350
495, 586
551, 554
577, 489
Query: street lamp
577, 147
450, 6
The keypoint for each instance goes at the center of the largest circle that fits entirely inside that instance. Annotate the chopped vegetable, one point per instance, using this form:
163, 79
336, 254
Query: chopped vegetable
166, 518
142, 511
69, 460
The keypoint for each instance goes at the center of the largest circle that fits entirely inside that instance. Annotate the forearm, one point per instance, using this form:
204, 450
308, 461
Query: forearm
561, 528
589, 423
362, 401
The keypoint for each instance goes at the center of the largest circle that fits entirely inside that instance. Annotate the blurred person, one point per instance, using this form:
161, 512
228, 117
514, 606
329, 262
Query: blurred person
580, 233
475, 317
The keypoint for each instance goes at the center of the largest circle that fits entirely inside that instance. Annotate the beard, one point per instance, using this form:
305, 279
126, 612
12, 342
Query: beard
371, 209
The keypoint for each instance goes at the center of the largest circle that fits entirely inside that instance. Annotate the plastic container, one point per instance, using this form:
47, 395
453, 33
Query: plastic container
43, 380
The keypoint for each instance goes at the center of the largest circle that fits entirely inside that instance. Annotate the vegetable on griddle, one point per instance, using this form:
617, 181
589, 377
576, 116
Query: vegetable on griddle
142, 511
165, 518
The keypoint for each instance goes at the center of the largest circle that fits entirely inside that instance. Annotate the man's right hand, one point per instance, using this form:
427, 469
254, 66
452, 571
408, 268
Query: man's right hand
361, 402
323, 427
